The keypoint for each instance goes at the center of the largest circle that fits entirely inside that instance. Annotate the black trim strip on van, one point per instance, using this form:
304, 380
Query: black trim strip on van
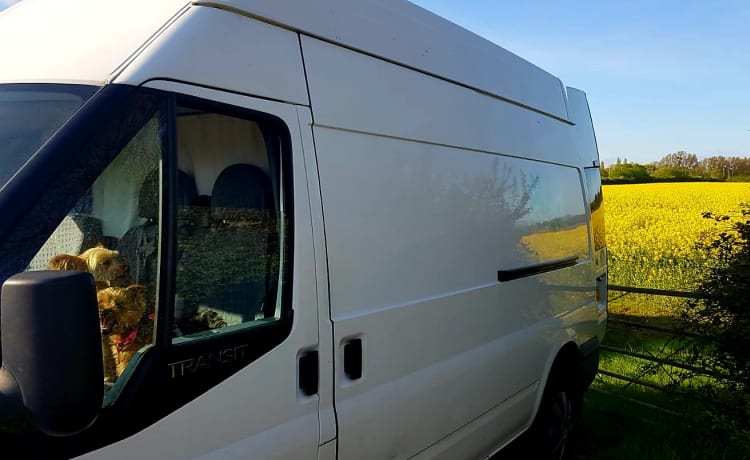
523, 272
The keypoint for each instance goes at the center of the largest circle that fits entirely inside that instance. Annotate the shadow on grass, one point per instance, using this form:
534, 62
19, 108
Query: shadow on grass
614, 427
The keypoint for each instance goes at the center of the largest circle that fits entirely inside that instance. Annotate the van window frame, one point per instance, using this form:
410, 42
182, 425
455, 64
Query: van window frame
263, 337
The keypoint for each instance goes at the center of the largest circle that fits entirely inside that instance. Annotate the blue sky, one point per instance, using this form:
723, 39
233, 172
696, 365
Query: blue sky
661, 75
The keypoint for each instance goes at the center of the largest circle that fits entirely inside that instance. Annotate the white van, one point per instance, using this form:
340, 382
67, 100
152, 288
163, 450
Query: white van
289, 229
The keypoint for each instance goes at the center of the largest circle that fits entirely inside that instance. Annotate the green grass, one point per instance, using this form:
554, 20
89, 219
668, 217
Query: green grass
613, 427
616, 425
628, 421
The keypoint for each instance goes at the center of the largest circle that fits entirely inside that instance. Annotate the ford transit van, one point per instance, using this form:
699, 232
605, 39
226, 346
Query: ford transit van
289, 229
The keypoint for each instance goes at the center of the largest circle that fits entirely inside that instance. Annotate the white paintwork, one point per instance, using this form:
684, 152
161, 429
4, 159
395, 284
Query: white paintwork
327, 451
395, 101
405, 33
583, 133
584, 139
419, 184
211, 47
259, 411
401, 217
478, 438
325, 326
414, 245
82, 41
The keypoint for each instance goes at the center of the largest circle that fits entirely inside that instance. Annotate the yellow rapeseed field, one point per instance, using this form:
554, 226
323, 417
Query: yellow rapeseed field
652, 230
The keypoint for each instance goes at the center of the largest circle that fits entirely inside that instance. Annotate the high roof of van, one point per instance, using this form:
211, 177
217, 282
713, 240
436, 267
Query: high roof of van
92, 40
402, 32
77, 41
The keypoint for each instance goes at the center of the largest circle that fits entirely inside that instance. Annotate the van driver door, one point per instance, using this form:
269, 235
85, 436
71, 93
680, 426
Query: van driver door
243, 350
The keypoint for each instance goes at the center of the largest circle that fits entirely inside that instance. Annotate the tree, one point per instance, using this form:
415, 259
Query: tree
727, 168
670, 172
629, 171
682, 161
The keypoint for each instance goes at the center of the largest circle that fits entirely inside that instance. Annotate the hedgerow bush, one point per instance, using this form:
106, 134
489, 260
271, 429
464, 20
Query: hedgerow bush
722, 315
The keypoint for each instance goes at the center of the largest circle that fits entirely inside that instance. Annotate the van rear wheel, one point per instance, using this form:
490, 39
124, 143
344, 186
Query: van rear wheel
551, 435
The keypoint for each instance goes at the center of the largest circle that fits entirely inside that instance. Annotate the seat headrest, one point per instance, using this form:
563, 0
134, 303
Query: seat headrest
242, 186
148, 198
85, 204
187, 192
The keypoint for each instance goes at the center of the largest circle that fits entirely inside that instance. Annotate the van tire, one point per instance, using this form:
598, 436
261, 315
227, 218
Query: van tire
552, 434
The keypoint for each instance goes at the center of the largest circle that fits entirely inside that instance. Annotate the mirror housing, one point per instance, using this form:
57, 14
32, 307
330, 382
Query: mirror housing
51, 350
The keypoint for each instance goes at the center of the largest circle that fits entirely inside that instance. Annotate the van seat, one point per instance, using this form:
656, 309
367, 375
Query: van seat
138, 246
77, 232
243, 222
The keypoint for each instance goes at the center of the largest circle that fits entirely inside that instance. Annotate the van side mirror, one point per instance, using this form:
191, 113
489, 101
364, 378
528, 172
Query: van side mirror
51, 350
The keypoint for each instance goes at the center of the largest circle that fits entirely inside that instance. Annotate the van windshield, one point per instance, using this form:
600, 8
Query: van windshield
29, 115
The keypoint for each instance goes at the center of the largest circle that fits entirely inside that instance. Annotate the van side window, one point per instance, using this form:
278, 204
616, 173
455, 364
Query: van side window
230, 224
112, 233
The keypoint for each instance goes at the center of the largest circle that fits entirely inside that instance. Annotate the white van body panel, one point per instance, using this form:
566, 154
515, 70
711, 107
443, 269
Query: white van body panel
480, 438
268, 62
403, 32
398, 102
428, 212
584, 138
253, 410
429, 189
71, 42
415, 277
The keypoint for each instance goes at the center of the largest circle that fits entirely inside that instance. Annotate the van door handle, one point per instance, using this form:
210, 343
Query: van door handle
353, 359
308, 373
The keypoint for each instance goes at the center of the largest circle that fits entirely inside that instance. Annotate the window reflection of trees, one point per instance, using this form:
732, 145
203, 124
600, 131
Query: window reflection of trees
505, 192
490, 204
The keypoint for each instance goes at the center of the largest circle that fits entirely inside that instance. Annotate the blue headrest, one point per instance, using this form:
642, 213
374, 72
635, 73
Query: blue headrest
187, 192
85, 204
148, 197
242, 186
